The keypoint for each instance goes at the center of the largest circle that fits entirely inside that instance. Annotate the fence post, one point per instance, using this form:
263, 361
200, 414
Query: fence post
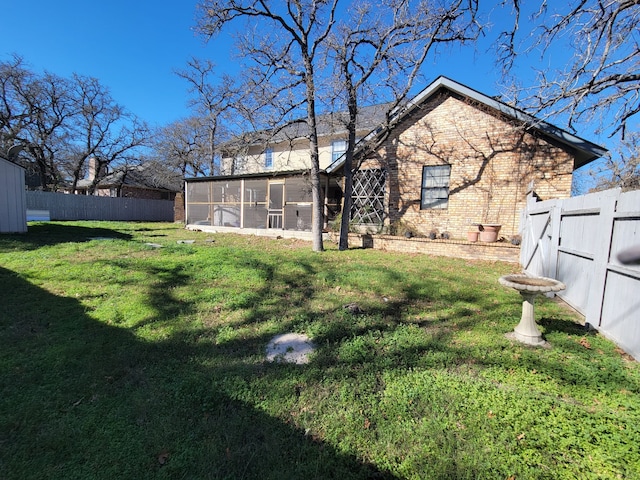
529, 245
555, 216
603, 231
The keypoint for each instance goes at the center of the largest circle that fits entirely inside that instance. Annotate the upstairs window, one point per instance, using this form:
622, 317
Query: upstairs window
338, 147
237, 165
435, 186
268, 158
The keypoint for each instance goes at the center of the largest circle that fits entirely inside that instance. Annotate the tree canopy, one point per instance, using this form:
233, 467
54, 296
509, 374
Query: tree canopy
589, 57
62, 122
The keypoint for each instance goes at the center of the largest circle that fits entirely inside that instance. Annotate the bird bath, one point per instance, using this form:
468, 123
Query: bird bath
529, 287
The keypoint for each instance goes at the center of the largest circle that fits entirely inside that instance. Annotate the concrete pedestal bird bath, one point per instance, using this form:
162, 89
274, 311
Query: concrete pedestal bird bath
529, 287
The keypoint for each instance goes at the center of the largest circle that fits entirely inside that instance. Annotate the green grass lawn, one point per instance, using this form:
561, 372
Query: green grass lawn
120, 360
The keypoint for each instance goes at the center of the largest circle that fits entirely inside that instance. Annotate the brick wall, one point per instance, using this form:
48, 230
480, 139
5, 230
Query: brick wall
498, 251
146, 193
493, 161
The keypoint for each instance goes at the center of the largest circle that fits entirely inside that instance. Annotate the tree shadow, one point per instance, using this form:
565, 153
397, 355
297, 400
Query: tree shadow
46, 234
81, 396
478, 155
85, 400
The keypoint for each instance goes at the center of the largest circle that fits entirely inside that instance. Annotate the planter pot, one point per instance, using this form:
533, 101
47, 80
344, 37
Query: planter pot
489, 233
473, 236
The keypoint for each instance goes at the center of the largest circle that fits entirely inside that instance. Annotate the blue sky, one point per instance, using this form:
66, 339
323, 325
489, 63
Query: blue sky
134, 47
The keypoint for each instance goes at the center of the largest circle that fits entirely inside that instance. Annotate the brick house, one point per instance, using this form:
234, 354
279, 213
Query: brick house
148, 181
451, 157
454, 157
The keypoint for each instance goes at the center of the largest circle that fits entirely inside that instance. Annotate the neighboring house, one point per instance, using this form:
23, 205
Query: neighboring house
451, 157
13, 205
148, 181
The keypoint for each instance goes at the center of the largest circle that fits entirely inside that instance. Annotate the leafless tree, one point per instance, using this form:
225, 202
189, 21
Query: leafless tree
102, 129
62, 122
183, 146
379, 51
284, 52
599, 80
211, 98
34, 113
622, 171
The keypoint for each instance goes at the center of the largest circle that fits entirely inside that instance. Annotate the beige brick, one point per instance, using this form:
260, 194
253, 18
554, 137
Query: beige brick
493, 160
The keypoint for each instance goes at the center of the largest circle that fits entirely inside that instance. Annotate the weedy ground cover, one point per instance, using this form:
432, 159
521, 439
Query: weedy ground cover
122, 360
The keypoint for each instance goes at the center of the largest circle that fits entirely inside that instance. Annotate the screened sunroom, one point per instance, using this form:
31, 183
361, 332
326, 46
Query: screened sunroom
269, 202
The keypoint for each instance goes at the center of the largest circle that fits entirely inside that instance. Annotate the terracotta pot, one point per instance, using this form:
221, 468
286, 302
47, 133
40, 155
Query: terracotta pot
489, 233
473, 236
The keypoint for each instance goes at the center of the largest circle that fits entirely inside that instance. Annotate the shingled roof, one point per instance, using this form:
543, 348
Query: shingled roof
149, 176
584, 151
329, 124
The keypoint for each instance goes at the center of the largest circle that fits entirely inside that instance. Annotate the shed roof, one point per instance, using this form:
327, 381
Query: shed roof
271, 174
584, 150
11, 164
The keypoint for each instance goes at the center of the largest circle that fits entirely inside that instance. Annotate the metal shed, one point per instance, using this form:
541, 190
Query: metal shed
13, 204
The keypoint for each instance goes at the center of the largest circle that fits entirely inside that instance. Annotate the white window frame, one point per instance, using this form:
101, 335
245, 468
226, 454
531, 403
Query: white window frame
434, 192
338, 147
268, 158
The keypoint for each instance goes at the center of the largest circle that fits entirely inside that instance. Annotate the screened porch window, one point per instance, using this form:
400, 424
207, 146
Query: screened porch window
435, 186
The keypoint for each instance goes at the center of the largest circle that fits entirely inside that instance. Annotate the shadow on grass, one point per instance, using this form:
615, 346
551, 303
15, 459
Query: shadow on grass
82, 399
43, 234
85, 400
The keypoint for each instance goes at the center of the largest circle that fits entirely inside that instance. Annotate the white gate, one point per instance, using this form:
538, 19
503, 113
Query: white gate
577, 241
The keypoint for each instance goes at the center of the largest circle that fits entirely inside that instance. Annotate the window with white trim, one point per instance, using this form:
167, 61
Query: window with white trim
338, 147
268, 158
435, 186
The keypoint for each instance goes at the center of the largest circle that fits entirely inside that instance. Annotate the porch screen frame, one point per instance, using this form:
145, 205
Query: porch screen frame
368, 197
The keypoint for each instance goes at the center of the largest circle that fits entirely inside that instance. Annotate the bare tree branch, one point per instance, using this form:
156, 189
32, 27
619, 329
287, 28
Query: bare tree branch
385, 53
285, 56
600, 83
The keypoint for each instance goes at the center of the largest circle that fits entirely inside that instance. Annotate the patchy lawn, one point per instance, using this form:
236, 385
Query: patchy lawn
119, 359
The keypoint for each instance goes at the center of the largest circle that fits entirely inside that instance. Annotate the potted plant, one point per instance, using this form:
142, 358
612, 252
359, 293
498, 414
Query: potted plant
489, 232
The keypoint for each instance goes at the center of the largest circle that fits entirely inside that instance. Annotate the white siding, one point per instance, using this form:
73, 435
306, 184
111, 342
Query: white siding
13, 212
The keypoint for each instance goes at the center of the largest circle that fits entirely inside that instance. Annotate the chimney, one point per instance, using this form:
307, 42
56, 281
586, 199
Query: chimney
93, 168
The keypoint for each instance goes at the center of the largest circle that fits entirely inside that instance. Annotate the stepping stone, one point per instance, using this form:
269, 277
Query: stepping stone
290, 348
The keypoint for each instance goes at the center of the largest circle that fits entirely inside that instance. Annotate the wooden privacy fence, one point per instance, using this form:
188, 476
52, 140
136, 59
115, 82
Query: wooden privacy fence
88, 207
577, 241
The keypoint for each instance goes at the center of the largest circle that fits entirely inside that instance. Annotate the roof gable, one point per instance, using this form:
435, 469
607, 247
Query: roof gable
583, 150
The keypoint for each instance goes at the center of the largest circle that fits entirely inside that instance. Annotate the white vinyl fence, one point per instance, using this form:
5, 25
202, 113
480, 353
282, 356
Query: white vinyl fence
577, 241
61, 206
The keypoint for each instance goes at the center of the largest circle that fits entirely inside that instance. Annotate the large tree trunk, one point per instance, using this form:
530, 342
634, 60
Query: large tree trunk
316, 188
348, 166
